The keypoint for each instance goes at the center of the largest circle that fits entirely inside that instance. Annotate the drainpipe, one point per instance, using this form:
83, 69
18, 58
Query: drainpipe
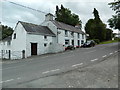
57, 35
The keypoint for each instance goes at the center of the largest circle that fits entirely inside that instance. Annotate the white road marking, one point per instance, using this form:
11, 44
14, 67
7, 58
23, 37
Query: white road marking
77, 65
111, 53
50, 71
54, 70
45, 72
94, 60
7, 81
18, 78
71, 51
115, 51
104, 56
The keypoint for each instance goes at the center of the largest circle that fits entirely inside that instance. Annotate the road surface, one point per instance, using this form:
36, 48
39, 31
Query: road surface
22, 71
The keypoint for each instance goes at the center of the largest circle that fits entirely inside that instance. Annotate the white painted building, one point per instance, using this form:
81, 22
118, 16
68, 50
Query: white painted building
30, 39
65, 34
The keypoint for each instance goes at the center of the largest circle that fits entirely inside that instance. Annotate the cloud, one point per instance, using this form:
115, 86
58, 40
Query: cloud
12, 13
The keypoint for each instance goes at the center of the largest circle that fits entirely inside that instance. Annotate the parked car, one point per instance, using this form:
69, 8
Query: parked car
77, 46
89, 43
70, 47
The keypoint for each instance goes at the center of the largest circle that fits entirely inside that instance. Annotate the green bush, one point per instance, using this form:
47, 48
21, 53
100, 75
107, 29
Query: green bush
117, 39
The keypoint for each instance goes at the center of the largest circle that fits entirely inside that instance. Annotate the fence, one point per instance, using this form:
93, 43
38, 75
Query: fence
8, 54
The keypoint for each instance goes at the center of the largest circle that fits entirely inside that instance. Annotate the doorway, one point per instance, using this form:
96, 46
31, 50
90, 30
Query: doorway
73, 42
33, 48
9, 54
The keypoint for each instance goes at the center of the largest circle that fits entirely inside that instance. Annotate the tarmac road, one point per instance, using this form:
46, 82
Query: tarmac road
19, 72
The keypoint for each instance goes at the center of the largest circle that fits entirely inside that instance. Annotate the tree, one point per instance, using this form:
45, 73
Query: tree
64, 15
109, 34
114, 22
6, 31
115, 6
95, 27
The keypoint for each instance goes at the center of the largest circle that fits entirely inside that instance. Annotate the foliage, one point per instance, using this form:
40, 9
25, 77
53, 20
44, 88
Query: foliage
96, 28
97, 41
114, 22
117, 39
115, 5
64, 15
110, 41
109, 34
6, 31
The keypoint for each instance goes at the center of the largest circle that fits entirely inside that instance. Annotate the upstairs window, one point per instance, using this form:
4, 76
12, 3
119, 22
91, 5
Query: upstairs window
45, 37
72, 34
9, 42
66, 33
78, 35
82, 36
14, 37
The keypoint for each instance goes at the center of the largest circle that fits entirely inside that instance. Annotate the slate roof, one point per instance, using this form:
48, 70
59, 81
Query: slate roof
9, 38
37, 29
64, 26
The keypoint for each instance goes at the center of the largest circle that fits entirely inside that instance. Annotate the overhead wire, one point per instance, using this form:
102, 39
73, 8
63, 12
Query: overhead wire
25, 6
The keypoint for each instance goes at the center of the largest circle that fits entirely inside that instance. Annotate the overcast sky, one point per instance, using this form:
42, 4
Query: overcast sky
11, 13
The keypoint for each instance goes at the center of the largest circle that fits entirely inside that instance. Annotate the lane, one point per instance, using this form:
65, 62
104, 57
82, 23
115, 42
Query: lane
28, 70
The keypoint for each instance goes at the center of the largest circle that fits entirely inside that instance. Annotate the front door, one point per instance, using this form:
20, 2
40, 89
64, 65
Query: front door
33, 48
78, 42
9, 54
73, 42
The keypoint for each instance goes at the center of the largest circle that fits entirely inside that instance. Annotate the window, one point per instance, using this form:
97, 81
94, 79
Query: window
14, 37
82, 36
78, 42
66, 33
9, 42
78, 35
45, 37
72, 34
66, 42
6, 51
82, 42
3, 43
45, 44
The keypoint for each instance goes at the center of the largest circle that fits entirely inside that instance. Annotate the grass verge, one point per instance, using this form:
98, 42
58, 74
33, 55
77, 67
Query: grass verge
107, 42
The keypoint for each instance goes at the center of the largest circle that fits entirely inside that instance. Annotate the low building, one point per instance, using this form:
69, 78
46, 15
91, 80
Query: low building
50, 37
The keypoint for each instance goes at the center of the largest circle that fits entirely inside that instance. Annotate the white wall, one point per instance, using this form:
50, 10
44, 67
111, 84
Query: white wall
39, 39
18, 44
4, 49
62, 38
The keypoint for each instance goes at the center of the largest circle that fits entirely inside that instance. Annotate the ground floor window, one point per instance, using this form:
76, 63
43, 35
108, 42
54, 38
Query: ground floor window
45, 44
66, 42
82, 41
73, 42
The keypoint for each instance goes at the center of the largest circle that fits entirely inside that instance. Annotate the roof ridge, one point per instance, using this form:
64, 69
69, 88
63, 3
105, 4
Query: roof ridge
66, 24
27, 23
